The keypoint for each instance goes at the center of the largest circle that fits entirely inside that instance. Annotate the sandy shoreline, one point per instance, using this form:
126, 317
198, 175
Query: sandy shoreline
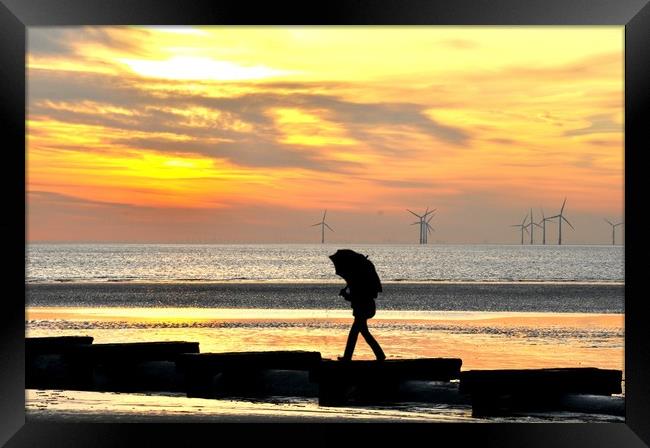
109, 407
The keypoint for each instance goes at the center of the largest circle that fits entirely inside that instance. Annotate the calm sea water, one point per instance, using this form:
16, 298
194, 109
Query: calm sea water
309, 263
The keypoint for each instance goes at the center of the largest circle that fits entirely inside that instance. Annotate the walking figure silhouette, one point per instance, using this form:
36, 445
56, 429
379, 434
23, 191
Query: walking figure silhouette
363, 286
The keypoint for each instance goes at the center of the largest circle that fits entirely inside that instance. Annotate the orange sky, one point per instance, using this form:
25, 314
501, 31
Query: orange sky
245, 134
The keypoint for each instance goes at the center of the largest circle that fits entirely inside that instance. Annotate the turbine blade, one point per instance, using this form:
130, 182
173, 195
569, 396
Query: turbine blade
413, 213
542, 213
526, 230
429, 220
329, 227
620, 223
324, 214
608, 221
567, 221
563, 204
317, 224
416, 223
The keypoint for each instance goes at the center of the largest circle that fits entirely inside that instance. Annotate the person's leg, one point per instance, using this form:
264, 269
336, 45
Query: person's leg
372, 342
352, 340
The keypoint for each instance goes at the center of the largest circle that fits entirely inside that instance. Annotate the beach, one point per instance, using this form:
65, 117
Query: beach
482, 339
476, 312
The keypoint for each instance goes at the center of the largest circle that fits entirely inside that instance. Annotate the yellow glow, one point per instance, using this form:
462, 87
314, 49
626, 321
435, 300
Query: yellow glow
188, 67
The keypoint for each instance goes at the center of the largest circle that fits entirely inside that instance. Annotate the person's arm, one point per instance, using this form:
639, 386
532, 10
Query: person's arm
345, 293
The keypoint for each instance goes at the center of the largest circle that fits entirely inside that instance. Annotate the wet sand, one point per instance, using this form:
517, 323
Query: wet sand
109, 407
403, 296
483, 340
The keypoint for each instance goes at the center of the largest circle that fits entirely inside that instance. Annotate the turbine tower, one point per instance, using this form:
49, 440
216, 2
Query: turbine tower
522, 226
543, 222
613, 230
561, 217
429, 229
322, 225
424, 224
531, 224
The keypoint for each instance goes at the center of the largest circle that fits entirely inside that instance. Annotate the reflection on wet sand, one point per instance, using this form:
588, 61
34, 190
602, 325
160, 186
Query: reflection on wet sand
483, 340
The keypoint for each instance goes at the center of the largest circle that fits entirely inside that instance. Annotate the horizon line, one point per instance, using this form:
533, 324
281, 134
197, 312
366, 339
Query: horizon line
62, 242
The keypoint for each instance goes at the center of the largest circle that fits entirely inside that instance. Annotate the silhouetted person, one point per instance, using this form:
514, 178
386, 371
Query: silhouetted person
363, 308
362, 287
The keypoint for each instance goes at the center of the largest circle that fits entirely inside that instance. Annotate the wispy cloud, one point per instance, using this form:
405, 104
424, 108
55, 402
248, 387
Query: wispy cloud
597, 124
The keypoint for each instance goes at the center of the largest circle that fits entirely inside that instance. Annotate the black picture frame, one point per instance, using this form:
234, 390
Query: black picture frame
16, 15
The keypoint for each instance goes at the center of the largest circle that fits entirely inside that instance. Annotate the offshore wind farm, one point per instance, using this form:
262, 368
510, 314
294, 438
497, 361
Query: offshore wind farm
542, 225
526, 226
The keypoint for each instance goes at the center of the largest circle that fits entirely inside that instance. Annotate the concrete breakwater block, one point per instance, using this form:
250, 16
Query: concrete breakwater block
137, 351
248, 373
503, 392
55, 344
46, 364
137, 366
345, 382
119, 367
441, 392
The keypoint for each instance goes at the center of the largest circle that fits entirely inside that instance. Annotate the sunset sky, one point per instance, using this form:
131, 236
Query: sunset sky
246, 134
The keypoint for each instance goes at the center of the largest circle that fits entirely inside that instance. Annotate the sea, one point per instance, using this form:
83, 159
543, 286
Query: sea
493, 306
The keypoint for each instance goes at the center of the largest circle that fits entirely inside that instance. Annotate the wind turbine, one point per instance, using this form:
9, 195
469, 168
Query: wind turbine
543, 221
523, 226
561, 217
419, 223
424, 225
613, 230
531, 224
322, 225
429, 228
